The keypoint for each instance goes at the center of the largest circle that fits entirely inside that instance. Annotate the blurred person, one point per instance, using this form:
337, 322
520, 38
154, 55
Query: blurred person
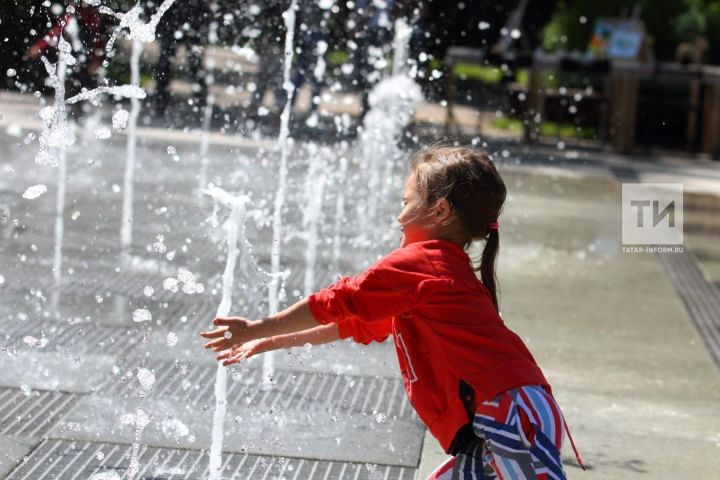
372, 34
186, 23
267, 33
311, 39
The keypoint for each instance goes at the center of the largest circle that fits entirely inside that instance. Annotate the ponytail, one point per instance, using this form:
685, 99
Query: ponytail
487, 266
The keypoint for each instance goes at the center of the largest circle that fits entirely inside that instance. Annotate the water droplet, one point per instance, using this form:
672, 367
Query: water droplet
102, 133
146, 379
34, 192
120, 119
141, 315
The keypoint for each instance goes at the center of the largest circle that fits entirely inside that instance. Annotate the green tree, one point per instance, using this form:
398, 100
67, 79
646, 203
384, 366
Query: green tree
669, 22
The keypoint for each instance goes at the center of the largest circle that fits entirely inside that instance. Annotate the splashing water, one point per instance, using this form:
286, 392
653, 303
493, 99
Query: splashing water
57, 133
56, 136
125, 91
392, 104
284, 144
403, 31
205, 143
140, 420
234, 228
35, 191
339, 214
314, 190
131, 146
140, 33
137, 29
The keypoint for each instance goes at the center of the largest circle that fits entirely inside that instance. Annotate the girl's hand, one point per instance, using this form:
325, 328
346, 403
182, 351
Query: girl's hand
237, 353
231, 331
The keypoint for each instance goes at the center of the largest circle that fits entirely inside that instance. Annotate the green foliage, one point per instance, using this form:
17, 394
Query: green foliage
690, 24
669, 22
549, 129
472, 71
337, 57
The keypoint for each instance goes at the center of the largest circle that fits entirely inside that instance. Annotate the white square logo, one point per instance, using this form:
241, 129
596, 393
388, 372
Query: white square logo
652, 213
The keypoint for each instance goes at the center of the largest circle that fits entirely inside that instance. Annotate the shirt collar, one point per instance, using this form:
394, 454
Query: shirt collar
448, 245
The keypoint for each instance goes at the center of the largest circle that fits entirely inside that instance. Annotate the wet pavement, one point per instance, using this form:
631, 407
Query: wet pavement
615, 332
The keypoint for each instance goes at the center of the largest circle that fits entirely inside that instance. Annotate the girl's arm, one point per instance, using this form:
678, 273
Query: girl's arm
238, 330
315, 336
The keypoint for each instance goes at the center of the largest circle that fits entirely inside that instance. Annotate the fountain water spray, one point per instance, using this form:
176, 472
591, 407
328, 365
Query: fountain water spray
140, 33
56, 136
205, 142
339, 214
392, 104
314, 190
146, 382
401, 41
284, 144
321, 48
137, 29
128, 178
234, 228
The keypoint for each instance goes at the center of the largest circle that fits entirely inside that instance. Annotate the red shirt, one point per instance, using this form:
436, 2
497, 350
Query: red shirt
447, 332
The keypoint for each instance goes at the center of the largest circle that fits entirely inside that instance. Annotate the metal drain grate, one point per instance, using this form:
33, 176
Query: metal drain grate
68, 460
81, 338
308, 391
701, 298
34, 413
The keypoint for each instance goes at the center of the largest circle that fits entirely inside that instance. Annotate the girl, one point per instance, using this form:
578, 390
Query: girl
471, 380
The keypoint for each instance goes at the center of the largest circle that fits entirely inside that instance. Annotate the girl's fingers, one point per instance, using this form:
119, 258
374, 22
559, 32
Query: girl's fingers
218, 343
218, 332
223, 345
227, 353
228, 321
233, 360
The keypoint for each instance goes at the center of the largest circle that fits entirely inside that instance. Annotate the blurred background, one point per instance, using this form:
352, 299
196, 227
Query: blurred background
617, 73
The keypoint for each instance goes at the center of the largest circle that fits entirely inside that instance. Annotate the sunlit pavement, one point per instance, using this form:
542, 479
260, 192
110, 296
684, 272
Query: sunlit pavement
615, 332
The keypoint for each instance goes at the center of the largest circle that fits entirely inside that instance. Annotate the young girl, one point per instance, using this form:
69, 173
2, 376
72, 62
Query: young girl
471, 380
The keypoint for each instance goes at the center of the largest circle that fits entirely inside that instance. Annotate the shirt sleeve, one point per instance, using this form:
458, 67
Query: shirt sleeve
396, 284
365, 333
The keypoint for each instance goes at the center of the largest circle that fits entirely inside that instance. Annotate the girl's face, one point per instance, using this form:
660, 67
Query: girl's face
415, 217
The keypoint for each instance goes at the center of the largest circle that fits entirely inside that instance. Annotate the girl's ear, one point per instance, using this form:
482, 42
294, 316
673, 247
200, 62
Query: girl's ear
442, 212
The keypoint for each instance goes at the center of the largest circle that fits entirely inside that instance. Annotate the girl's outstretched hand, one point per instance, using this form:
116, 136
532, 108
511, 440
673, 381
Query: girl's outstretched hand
231, 331
237, 353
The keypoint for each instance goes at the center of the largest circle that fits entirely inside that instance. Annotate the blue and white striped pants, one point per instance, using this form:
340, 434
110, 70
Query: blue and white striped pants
519, 436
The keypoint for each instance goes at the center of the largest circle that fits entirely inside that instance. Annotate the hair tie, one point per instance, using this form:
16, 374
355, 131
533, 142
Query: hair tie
493, 225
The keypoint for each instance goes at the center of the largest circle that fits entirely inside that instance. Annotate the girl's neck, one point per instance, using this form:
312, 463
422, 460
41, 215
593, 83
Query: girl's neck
450, 233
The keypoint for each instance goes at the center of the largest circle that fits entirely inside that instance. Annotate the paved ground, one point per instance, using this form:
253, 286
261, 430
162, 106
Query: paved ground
616, 333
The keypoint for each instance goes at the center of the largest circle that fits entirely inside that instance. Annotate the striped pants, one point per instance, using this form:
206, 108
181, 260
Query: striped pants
520, 433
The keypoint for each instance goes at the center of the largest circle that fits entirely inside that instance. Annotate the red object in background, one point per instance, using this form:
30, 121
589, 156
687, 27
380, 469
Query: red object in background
90, 24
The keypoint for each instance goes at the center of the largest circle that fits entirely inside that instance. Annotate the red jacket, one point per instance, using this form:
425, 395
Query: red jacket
448, 336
